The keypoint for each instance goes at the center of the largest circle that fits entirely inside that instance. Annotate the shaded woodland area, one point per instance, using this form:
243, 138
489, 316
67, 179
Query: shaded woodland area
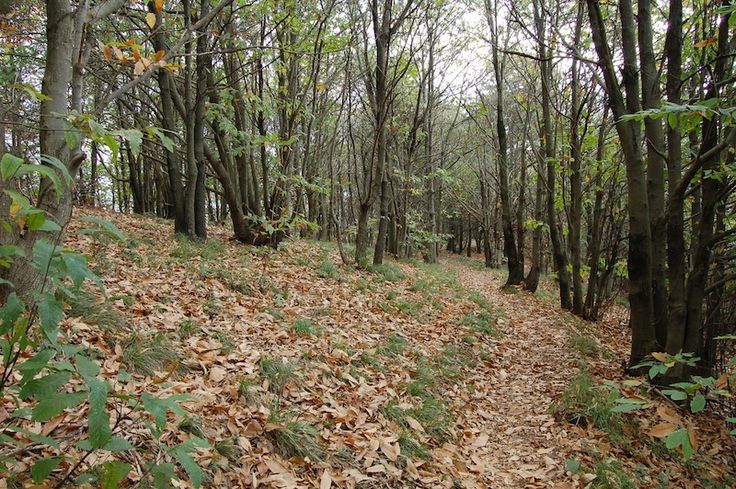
587, 147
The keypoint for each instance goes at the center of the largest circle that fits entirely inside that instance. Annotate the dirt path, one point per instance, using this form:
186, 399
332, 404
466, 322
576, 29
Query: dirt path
526, 447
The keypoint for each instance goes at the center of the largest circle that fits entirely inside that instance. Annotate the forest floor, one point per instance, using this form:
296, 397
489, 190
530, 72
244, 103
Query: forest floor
302, 372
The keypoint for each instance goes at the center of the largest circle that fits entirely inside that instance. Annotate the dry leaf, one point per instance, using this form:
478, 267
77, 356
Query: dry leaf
326, 480
662, 357
662, 430
151, 19
706, 42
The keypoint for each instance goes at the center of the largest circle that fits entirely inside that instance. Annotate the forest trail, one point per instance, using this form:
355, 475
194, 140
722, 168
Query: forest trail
526, 446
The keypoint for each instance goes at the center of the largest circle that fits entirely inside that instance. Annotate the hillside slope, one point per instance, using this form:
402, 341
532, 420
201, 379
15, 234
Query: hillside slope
304, 373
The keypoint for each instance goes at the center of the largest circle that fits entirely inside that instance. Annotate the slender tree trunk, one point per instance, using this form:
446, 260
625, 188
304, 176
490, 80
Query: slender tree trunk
644, 339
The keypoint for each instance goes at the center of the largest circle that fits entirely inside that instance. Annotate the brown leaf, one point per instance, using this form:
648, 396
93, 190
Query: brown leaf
326, 480
662, 430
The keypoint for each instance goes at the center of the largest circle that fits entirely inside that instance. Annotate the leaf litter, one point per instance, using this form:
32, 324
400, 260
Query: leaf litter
388, 381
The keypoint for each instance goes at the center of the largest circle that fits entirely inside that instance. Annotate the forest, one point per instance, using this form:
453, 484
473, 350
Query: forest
373, 244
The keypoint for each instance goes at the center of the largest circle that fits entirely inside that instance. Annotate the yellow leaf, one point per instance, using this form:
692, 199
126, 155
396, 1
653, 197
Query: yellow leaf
662, 430
706, 42
151, 19
662, 357
14, 209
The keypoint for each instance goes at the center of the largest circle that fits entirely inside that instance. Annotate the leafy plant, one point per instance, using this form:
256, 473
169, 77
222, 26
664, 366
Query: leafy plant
56, 376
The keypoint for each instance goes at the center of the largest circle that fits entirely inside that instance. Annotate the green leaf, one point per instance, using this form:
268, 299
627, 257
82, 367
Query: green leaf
675, 438
98, 418
113, 473
44, 386
697, 403
182, 454
35, 437
10, 312
55, 404
118, 444
134, 137
43, 171
625, 408
51, 313
43, 468
72, 136
86, 367
572, 465
163, 474
49, 226
56, 163
675, 395
9, 165
105, 227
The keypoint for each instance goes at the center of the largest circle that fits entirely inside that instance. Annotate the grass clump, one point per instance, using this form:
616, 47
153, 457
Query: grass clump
585, 345
188, 328
423, 379
584, 402
393, 346
147, 355
431, 413
304, 327
227, 344
327, 269
481, 322
192, 425
95, 310
434, 417
611, 475
186, 249
293, 438
388, 272
247, 390
411, 448
277, 372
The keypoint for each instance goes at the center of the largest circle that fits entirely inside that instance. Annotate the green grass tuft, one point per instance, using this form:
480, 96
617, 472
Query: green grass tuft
186, 249
388, 272
585, 345
277, 372
393, 346
147, 355
584, 402
304, 327
293, 438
